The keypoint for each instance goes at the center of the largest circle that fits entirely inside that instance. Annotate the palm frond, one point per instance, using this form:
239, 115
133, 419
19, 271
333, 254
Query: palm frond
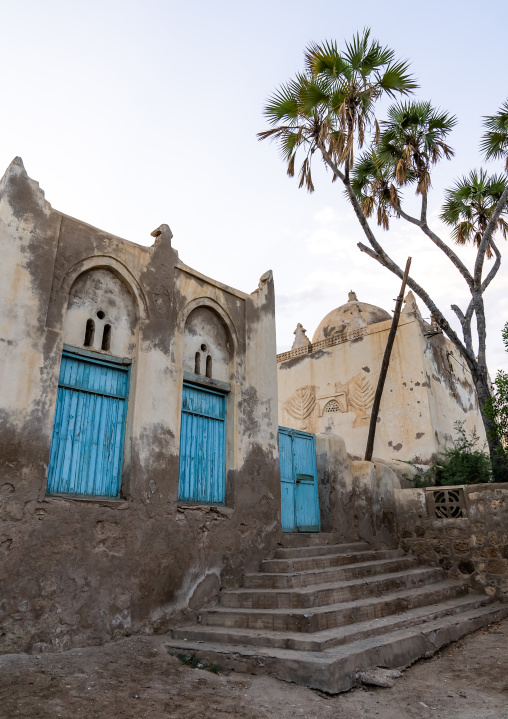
396, 79
357, 49
283, 104
494, 143
469, 205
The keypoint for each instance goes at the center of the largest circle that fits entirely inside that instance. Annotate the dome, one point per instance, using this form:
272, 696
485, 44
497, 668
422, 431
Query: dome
351, 316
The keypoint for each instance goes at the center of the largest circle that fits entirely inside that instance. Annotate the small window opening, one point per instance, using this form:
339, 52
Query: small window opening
89, 333
100, 314
197, 363
204, 348
106, 338
209, 366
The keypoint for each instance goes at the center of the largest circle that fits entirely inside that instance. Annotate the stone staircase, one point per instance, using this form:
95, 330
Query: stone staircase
319, 613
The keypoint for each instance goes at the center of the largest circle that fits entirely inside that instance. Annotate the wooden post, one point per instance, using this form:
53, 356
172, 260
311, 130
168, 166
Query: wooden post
384, 365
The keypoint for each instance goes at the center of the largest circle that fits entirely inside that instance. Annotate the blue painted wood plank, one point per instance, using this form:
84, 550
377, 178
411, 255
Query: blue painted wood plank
306, 497
287, 481
89, 428
299, 490
202, 446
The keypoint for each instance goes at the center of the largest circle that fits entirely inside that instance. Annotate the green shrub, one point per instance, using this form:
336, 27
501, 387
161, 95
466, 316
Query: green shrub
464, 463
496, 408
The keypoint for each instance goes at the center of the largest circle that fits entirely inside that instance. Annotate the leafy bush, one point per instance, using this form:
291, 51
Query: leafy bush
497, 407
464, 463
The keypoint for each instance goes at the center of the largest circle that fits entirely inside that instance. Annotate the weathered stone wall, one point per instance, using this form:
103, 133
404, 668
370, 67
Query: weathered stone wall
356, 498
473, 548
453, 395
80, 571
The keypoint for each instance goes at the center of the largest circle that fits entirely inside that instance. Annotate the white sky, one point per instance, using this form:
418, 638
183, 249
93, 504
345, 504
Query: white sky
131, 114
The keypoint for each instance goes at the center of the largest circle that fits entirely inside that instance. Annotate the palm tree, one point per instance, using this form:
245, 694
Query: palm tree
330, 108
413, 138
374, 184
332, 102
470, 204
495, 141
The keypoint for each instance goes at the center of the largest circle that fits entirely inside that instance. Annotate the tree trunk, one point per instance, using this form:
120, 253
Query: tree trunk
478, 369
498, 462
384, 366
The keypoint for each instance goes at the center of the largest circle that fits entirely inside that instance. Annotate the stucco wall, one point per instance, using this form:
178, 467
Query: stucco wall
331, 390
78, 571
357, 499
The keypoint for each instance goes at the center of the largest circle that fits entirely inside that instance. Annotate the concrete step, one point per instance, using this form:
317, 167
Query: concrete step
307, 539
320, 641
335, 670
319, 550
333, 615
276, 580
330, 560
329, 593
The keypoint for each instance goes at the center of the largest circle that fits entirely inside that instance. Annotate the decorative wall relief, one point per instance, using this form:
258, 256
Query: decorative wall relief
361, 398
301, 404
336, 402
332, 406
356, 395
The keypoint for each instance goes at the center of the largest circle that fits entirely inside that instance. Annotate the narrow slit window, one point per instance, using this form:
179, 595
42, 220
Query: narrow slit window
89, 333
209, 366
106, 338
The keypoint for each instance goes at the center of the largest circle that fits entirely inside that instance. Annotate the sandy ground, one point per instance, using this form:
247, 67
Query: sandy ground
135, 678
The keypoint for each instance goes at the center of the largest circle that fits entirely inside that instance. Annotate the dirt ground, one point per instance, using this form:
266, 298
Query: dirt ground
135, 678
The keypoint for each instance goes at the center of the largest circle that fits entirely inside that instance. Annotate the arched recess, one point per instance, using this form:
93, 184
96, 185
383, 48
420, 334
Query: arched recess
212, 304
208, 347
99, 299
98, 292
97, 262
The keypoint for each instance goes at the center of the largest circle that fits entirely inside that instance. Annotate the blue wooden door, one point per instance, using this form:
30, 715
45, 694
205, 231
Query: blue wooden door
298, 474
88, 430
287, 481
202, 446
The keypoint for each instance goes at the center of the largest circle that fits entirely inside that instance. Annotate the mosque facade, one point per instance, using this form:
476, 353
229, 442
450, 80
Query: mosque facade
327, 386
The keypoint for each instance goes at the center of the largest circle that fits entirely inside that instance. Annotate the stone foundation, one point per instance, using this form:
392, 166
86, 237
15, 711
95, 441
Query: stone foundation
472, 547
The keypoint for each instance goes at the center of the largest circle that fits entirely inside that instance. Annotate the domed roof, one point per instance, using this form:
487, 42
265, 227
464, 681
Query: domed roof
351, 316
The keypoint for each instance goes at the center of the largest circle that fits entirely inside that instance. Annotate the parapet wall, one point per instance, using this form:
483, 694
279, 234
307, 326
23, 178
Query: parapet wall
462, 529
357, 499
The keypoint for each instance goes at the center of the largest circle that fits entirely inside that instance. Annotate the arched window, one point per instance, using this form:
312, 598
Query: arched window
197, 363
332, 406
89, 333
106, 338
209, 366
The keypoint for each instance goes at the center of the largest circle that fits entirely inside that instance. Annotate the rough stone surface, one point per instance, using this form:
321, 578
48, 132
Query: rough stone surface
341, 610
356, 498
136, 677
473, 548
380, 677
